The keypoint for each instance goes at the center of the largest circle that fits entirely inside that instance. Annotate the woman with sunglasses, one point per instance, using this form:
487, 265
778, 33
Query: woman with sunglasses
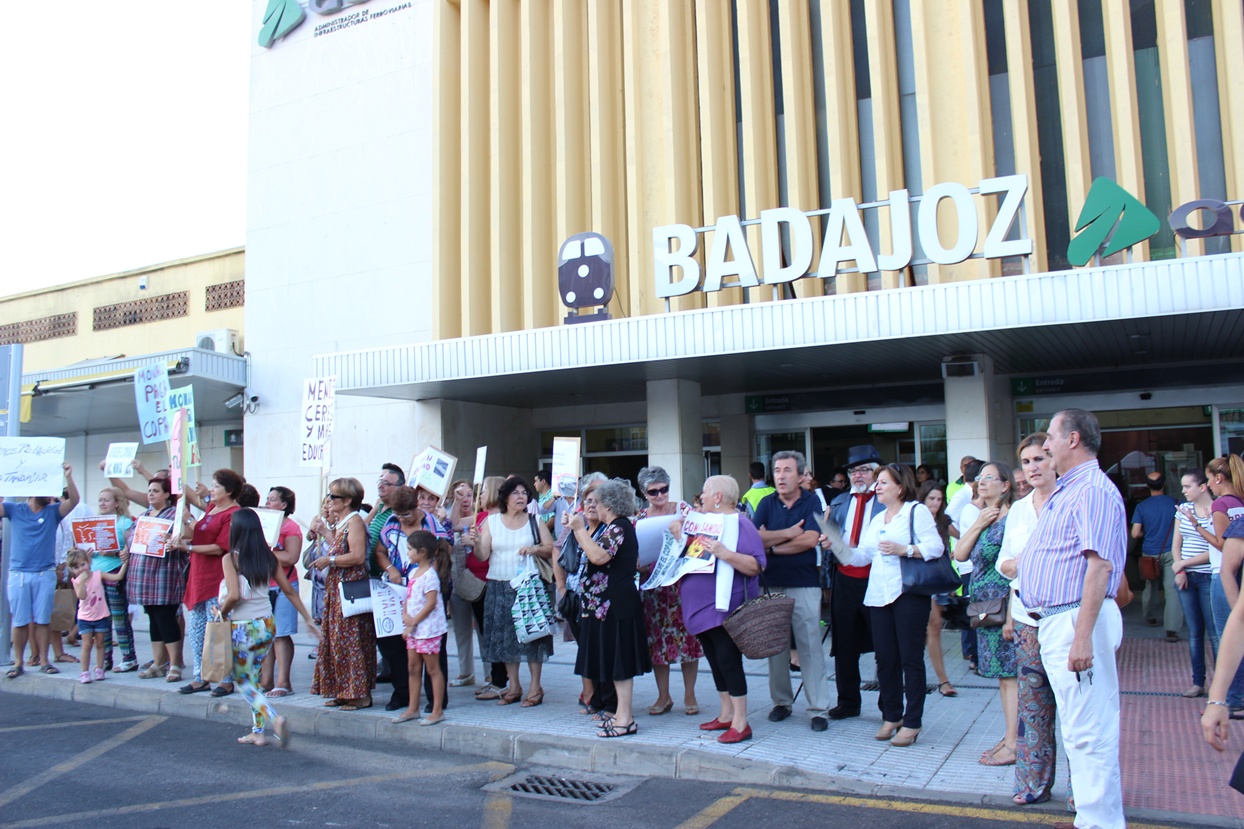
668, 640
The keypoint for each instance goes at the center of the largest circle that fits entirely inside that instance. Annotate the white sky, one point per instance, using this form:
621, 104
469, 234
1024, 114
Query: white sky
124, 138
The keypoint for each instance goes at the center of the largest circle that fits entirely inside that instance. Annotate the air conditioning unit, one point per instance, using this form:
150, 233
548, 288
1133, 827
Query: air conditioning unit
223, 340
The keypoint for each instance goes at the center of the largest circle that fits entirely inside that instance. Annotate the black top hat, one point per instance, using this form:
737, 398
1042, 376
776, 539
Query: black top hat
857, 455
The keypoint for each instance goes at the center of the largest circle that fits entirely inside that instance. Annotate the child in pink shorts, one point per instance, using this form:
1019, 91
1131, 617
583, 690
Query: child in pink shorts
425, 624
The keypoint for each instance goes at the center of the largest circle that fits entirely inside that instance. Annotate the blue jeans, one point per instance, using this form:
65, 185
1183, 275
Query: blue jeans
1195, 599
1218, 600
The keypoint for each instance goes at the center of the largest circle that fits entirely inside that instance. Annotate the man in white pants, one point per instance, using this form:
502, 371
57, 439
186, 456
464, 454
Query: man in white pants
1070, 571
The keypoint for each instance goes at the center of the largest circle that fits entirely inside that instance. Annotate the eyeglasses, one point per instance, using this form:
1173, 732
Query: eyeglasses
403, 516
383, 484
859, 470
587, 501
658, 490
984, 479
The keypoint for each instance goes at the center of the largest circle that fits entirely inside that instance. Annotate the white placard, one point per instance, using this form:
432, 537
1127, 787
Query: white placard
433, 470
271, 520
387, 600
31, 467
151, 399
481, 455
319, 396
565, 463
117, 461
651, 535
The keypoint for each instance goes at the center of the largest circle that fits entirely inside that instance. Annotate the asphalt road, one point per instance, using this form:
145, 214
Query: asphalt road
64, 763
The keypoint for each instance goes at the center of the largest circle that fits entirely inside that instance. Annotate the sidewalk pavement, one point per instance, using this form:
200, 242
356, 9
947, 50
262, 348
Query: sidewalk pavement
1169, 772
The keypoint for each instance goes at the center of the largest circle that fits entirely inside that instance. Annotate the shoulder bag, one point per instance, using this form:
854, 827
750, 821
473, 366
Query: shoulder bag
543, 565
467, 586
927, 578
355, 597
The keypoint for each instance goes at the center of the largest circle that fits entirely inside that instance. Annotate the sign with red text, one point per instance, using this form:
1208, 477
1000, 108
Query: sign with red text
151, 396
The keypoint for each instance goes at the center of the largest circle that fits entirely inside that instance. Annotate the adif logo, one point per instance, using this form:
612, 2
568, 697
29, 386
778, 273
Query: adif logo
283, 16
1109, 207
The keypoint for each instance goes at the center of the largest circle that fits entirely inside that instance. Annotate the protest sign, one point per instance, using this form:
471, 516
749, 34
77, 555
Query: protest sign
565, 465
318, 407
177, 448
387, 600
691, 555
98, 534
31, 467
651, 535
481, 455
433, 470
151, 397
150, 536
117, 461
183, 398
271, 521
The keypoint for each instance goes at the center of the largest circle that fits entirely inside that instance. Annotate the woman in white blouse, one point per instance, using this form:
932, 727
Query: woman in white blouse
905, 529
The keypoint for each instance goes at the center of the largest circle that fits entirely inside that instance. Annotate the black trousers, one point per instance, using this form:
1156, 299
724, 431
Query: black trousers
899, 633
725, 661
851, 629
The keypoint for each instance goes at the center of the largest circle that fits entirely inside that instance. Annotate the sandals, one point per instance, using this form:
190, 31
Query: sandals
221, 691
354, 705
153, 671
532, 701
1030, 799
174, 675
194, 688
611, 729
15, 672
67, 658
488, 692
658, 710
280, 692
993, 759
510, 697
691, 710
947, 693
49, 669
586, 708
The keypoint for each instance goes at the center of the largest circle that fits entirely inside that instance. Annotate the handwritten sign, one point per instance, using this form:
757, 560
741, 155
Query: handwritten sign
31, 467
271, 521
433, 470
183, 398
316, 427
98, 533
151, 397
117, 461
386, 606
150, 536
566, 465
481, 455
177, 449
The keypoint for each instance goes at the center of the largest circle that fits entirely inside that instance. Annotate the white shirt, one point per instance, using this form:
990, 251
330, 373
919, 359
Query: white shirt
961, 498
885, 579
1192, 543
968, 513
1021, 520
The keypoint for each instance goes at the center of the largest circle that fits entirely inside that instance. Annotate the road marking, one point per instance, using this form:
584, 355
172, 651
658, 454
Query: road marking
714, 812
497, 811
225, 797
22, 789
72, 724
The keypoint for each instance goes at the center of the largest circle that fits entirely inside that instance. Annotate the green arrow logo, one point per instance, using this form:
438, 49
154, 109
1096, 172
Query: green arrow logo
1109, 207
279, 19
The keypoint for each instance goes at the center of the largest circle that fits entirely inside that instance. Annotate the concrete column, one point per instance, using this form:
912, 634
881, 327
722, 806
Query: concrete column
737, 450
969, 420
675, 441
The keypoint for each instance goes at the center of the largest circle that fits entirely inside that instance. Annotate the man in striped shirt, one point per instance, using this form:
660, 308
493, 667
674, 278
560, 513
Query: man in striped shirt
1070, 570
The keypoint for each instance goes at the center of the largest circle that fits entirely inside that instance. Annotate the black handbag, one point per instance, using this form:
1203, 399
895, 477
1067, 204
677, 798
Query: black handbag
928, 578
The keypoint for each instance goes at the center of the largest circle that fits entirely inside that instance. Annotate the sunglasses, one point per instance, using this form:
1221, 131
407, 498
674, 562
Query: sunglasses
332, 497
658, 490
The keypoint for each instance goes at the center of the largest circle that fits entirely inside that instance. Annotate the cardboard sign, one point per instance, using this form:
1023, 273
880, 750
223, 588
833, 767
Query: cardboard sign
183, 398
31, 467
481, 455
117, 461
151, 398
150, 536
566, 465
271, 520
316, 426
98, 534
433, 470
177, 451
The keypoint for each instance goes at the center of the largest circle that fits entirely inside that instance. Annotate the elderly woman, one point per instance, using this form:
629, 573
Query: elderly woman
158, 584
596, 696
506, 541
698, 592
612, 639
461, 518
899, 620
995, 645
345, 670
486, 504
668, 639
287, 551
319, 538
112, 501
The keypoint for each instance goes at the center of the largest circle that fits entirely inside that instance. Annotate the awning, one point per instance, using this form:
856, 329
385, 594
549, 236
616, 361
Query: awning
1124, 319
99, 396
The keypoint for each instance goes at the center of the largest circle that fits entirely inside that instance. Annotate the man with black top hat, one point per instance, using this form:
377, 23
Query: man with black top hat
852, 635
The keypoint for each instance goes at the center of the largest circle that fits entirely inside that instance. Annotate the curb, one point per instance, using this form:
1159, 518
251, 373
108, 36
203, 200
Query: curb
535, 749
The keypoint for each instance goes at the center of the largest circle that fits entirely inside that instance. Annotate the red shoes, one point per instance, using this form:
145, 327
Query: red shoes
732, 736
714, 725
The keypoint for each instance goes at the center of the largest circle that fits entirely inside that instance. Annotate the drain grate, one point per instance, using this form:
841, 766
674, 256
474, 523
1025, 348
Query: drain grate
559, 788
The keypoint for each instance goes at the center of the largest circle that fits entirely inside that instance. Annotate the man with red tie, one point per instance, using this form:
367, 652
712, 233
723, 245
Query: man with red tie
852, 637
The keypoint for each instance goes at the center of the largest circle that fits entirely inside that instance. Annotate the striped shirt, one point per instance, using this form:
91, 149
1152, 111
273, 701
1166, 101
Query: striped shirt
1192, 543
1085, 512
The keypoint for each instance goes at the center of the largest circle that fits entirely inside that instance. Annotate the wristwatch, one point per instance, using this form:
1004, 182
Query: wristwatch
332, 561
911, 551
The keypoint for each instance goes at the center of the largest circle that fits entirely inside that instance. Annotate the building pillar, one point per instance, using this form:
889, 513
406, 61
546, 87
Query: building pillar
737, 449
675, 435
969, 412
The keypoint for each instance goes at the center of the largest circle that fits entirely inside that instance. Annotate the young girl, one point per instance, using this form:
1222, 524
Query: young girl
248, 567
94, 619
424, 619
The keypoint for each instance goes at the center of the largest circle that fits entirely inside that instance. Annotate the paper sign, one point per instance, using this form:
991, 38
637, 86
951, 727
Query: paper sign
151, 397
98, 534
183, 398
565, 464
271, 519
150, 536
178, 446
31, 467
481, 454
691, 555
386, 606
837, 543
433, 470
117, 461
316, 426
651, 535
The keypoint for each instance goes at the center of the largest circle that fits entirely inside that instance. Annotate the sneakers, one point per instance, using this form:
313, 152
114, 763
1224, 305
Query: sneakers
85, 678
98, 675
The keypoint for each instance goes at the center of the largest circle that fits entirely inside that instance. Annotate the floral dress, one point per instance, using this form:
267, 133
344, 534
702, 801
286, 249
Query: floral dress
346, 665
612, 641
995, 657
668, 640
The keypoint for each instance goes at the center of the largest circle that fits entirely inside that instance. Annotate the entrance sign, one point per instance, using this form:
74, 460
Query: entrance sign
675, 246
318, 406
31, 467
151, 397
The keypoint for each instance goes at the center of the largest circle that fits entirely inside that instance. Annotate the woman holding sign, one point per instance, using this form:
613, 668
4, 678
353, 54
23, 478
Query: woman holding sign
113, 502
157, 579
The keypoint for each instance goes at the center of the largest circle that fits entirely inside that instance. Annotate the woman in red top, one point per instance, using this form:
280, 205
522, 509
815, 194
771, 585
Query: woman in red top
209, 541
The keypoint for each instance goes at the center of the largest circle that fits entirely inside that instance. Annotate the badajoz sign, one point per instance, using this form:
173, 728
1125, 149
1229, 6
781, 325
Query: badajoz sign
675, 246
